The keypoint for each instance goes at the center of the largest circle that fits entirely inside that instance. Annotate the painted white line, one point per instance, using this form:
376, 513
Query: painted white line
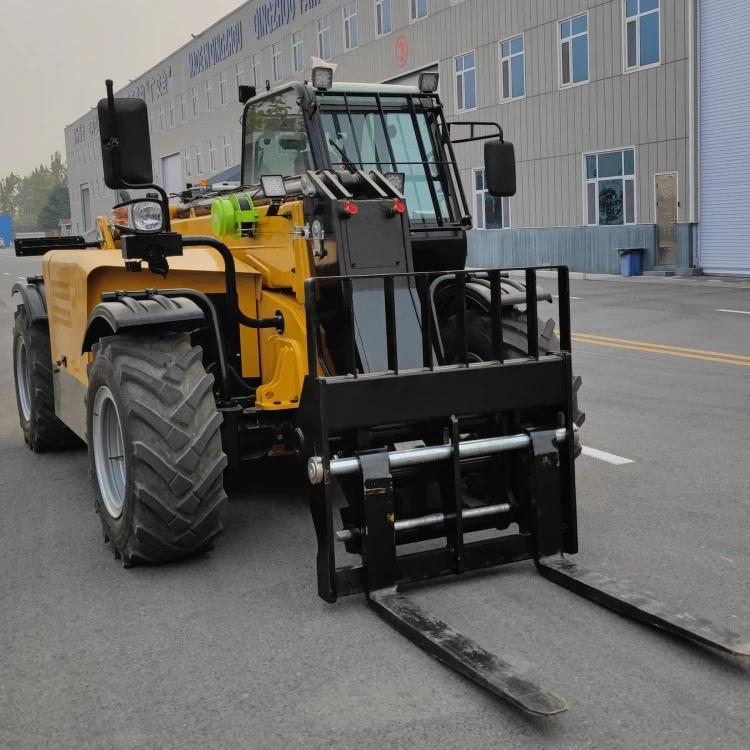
738, 312
557, 296
21, 278
5, 273
610, 458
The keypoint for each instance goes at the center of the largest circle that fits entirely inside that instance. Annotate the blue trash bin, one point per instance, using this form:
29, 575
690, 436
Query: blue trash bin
631, 261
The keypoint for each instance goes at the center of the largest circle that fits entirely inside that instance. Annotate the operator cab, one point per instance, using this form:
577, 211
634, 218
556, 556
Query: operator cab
397, 131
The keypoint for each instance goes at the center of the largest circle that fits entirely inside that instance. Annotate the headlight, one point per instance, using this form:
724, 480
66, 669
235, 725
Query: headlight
146, 216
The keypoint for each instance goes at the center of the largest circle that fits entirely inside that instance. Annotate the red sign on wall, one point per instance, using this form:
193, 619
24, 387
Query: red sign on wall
402, 50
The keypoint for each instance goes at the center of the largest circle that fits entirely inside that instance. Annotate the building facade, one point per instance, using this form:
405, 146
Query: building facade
602, 99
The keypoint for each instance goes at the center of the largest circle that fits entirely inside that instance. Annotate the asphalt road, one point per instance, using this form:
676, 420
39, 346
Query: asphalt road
235, 650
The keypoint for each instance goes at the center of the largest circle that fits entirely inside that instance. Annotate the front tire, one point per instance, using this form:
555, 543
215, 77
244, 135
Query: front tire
155, 454
35, 393
515, 344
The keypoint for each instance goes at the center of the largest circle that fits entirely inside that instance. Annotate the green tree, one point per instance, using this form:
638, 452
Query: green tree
9, 189
34, 191
56, 208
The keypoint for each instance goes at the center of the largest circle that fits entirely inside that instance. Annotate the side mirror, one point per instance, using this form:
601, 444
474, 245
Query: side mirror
500, 168
126, 143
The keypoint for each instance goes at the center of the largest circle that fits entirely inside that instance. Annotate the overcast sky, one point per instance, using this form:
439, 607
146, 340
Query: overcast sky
56, 54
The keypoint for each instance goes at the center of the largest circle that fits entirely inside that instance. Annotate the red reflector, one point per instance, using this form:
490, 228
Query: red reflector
350, 208
399, 206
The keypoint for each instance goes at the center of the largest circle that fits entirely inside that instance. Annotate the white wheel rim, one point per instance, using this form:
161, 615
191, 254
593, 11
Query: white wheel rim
23, 378
109, 451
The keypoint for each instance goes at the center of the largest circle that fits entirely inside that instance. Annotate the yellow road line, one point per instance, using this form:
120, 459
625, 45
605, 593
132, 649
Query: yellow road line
630, 342
673, 351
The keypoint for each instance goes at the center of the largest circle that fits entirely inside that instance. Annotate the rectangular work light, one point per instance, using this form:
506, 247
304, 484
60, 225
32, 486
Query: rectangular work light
428, 82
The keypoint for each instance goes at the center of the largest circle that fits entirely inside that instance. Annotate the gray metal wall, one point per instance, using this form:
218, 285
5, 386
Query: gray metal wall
552, 128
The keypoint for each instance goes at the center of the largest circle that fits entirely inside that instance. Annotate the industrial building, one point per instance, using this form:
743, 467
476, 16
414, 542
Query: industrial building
629, 117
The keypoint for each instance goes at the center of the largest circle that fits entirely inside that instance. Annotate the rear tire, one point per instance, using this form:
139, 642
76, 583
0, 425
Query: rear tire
155, 454
35, 393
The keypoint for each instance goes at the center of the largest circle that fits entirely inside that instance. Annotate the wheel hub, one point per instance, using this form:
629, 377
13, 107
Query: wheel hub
23, 378
109, 451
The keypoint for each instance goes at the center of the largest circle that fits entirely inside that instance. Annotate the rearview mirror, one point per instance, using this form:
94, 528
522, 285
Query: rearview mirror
500, 168
126, 144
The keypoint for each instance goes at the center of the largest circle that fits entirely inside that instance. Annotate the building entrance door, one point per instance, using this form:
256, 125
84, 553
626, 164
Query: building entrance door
171, 173
666, 218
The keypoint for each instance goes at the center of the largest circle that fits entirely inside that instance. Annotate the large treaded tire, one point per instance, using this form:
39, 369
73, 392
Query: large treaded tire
42, 431
515, 342
172, 447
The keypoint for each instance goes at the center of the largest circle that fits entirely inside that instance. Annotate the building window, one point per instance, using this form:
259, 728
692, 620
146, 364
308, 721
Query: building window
490, 212
277, 72
209, 94
297, 51
418, 9
324, 38
171, 113
198, 159
212, 155
466, 82
574, 51
183, 107
351, 31
512, 72
642, 34
186, 156
383, 24
610, 188
239, 75
227, 146
195, 101
256, 70
223, 98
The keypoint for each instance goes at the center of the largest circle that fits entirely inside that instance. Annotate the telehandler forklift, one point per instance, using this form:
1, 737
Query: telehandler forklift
322, 308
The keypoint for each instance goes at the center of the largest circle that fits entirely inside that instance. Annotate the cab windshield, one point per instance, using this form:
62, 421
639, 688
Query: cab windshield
275, 139
388, 134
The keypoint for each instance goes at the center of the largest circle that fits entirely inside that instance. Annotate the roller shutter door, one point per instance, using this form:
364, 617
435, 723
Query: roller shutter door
725, 137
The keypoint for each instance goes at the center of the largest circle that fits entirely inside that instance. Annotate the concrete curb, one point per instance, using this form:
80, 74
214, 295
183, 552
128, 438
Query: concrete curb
693, 280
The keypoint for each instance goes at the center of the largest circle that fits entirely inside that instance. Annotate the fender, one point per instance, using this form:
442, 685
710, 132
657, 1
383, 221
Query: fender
147, 316
32, 295
478, 292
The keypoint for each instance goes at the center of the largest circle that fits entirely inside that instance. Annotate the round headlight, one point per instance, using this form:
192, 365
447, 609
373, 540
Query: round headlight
147, 216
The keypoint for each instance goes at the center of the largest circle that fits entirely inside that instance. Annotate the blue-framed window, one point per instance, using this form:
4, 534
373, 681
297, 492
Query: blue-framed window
574, 50
512, 68
642, 33
610, 188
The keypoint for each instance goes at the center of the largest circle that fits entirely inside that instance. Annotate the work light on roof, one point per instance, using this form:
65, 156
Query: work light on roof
428, 82
322, 78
